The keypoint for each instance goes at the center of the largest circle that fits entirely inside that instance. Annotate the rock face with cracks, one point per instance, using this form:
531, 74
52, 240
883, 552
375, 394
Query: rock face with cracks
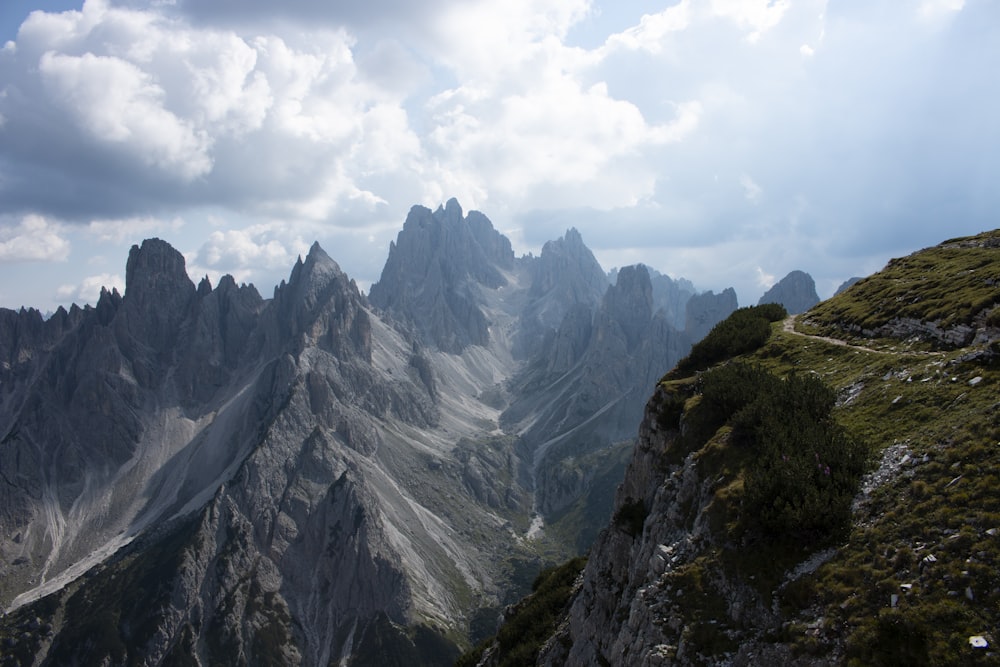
198, 475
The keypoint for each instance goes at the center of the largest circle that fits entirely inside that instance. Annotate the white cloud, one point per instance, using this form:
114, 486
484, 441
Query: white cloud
247, 253
89, 289
756, 16
33, 239
652, 29
751, 190
114, 102
131, 229
936, 10
161, 113
764, 279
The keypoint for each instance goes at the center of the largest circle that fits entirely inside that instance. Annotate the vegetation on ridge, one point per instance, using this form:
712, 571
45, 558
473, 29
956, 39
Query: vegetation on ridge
912, 572
530, 622
745, 330
951, 284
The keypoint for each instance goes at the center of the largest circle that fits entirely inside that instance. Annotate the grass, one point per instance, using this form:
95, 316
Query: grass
930, 534
529, 623
950, 284
941, 504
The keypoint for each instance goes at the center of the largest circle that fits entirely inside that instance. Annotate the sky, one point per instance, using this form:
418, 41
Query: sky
728, 142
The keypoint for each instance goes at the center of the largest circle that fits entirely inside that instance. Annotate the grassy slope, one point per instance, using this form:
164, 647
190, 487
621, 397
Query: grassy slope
931, 533
928, 531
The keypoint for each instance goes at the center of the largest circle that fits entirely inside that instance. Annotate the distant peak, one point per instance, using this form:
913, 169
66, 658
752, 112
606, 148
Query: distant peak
316, 250
204, 287
316, 264
154, 264
453, 208
796, 292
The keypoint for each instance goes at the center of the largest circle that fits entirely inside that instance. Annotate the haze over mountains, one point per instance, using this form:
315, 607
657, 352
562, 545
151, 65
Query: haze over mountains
322, 471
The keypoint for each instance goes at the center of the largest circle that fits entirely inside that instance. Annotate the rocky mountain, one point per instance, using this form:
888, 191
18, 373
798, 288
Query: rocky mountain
565, 276
704, 311
796, 292
823, 494
585, 391
847, 284
199, 475
434, 271
669, 295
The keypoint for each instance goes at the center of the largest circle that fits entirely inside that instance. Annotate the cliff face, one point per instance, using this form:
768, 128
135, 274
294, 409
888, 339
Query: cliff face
197, 475
827, 566
640, 600
796, 292
435, 270
704, 311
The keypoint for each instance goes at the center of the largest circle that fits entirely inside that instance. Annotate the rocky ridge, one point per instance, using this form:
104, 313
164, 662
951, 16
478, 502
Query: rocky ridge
796, 292
318, 476
678, 577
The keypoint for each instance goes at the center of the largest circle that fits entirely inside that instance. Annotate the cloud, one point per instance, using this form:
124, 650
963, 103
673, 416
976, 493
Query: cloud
89, 289
373, 14
653, 29
755, 16
114, 103
131, 229
764, 279
33, 239
152, 113
701, 134
751, 190
935, 10
246, 253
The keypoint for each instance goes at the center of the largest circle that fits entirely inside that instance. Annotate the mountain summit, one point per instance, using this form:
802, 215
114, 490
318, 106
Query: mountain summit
435, 267
199, 475
796, 292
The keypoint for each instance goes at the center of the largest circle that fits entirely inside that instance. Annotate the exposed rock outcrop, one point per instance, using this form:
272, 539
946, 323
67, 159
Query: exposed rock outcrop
704, 311
796, 292
433, 275
317, 477
565, 276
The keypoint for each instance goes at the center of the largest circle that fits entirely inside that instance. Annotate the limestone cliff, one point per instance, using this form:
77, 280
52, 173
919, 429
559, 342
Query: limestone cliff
796, 292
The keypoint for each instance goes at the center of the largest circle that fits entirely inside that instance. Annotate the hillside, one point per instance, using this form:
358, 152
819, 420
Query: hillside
814, 490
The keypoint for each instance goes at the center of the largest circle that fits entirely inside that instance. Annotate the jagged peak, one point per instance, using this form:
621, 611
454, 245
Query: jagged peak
204, 287
796, 292
452, 210
227, 282
317, 268
573, 236
633, 291
155, 265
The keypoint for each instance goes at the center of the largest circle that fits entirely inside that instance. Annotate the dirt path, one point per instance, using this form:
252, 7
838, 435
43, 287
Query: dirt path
789, 326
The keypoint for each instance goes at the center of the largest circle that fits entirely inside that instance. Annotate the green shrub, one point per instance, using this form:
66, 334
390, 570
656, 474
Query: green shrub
631, 517
745, 330
533, 620
802, 469
805, 469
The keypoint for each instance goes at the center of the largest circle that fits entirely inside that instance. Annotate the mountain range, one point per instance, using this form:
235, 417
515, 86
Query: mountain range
599, 468
819, 489
195, 474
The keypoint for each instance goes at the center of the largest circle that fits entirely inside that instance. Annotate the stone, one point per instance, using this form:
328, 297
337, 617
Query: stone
796, 292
